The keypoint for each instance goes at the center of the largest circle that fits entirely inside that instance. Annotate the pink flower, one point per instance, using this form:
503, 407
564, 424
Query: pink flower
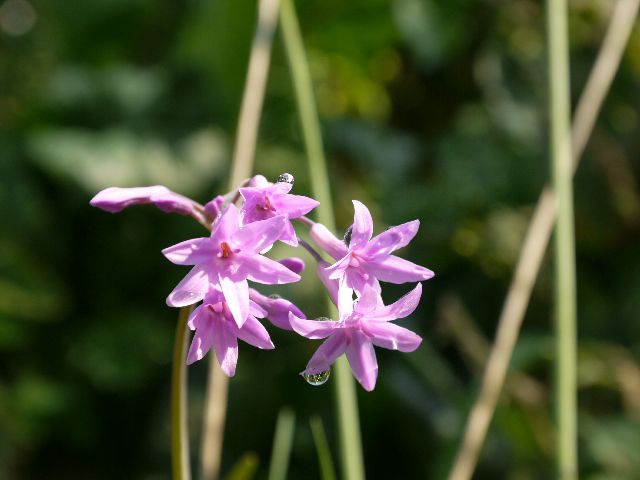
367, 260
265, 202
115, 199
362, 325
215, 327
227, 258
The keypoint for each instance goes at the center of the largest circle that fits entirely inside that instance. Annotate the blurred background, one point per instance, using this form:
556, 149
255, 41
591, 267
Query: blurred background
430, 109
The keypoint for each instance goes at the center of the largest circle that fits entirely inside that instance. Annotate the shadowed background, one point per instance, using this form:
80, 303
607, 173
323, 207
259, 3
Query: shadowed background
431, 110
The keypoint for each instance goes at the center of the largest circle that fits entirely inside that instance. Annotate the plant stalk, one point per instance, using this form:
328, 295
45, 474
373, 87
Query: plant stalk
346, 400
565, 274
179, 422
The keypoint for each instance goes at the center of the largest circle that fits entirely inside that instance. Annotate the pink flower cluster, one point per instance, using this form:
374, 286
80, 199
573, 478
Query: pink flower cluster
233, 254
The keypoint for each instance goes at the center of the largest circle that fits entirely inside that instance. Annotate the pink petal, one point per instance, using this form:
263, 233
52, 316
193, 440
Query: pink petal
258, 268
190, 252
326, 354
255, 309
295, 264
256, 236
313, 329
330, 284
236, 294
258, 181
338, 269
401, 308
294, 205
225, 345
398, 270
195, 318
369, 300
255, 334
213, 209
277, 309
200, 345
362, 359
191, 289
392, 239
362, 226
115, 199
323, 238
288, 235
345, 299
226, 225
391, 336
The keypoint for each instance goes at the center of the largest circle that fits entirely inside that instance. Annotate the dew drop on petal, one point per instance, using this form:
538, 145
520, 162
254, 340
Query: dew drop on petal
275, 296
317, 379
285, 178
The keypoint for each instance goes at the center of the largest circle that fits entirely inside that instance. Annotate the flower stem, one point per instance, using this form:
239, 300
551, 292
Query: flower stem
347, 404
565, 281
241, 168
179, 426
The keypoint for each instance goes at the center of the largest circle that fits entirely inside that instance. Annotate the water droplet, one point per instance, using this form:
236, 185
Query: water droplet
347, 236
275, 296
286, 178
317, 379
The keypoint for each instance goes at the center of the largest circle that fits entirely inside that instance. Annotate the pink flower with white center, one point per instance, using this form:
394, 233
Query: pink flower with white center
362, 324
215, 327
265, 202
228, 258
366, 260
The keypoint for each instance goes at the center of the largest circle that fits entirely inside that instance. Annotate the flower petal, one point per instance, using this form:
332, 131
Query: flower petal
313, 329
401, 308
392, 239
391, 336
326, 354
295, 264
225, 344
200, 345
294, 206
345, 299
277, 309
362, 359
338, 269
288, 235
327, 241
398, 270
226, 225
331, 285
369, 300
191, 289
190, 252
261, 269
254, 333
115, 199
362, 226
256, 236
236, 294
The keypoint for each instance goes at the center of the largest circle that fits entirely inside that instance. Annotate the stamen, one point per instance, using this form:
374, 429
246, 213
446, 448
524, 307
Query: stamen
225, 250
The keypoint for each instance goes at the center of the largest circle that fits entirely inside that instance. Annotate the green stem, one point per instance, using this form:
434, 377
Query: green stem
282, 441
179, 426
565, 280
347, 404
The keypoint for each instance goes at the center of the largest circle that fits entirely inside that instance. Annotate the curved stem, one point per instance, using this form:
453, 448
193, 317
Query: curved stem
347, 404
536, 240
179, 422
241, 168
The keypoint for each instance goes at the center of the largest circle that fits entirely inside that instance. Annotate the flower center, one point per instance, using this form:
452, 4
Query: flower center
354, 261
266, 204
225, 250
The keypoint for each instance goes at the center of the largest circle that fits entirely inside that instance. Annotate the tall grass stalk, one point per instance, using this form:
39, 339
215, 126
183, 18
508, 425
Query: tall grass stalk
565, 270
347, 404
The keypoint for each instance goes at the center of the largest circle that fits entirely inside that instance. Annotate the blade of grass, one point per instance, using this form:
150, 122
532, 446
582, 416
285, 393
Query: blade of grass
347, 404
179, 426
536, 240
282, 441
241, 168
327, 470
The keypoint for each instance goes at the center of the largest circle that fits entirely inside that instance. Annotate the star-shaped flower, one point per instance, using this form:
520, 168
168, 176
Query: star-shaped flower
265, 202
362, 325
366, 260
215, 327
227, 258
